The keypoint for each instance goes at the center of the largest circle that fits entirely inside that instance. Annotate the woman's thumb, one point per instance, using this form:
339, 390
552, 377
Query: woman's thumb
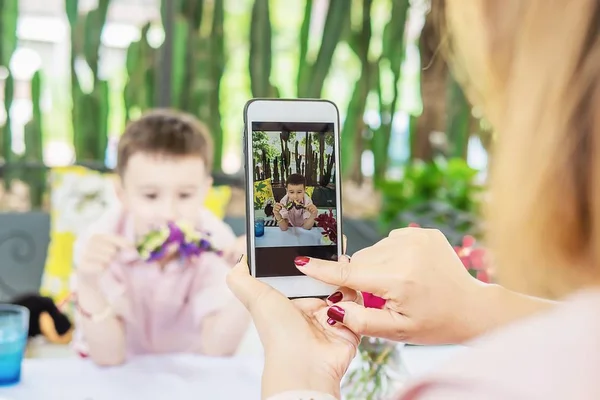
368, 321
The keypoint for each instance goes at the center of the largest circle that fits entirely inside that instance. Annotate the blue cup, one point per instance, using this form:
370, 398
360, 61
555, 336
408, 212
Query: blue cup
14, 324
259, 227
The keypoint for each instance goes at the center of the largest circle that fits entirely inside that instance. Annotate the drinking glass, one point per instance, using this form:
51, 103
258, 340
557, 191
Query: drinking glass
14, 324
259, 227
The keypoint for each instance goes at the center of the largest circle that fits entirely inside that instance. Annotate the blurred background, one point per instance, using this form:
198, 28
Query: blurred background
72, 73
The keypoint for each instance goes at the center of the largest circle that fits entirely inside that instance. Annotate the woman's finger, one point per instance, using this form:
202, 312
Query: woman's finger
353, 275
384, 323
245, 287
345, 294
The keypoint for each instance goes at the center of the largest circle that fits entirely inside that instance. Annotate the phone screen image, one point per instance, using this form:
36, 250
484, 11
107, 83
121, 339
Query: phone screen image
295, 210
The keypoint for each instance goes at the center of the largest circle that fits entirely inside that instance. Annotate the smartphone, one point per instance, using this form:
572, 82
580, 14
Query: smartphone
293, 198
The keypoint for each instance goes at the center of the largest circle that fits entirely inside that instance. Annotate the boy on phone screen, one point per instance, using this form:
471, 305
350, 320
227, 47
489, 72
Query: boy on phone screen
295, 209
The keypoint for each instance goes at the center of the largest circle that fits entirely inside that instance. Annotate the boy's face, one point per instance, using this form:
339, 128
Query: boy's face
156, 189
295, 192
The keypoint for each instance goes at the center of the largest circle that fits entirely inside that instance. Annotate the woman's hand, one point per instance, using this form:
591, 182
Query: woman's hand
302, 350
429, 295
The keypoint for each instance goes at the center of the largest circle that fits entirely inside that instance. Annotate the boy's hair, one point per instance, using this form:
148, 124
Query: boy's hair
295, 179
165, 132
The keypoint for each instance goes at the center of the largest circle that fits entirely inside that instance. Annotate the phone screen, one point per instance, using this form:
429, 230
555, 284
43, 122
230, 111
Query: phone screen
295, 195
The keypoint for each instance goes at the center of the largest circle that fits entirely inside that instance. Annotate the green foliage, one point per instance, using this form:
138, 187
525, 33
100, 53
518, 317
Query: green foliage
260, 142
34, 145
9, 10
89, 108
442, 194
197, 60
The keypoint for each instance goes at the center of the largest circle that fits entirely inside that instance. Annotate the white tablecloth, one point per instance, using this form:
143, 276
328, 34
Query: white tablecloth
174, 377
292, 237
420, 360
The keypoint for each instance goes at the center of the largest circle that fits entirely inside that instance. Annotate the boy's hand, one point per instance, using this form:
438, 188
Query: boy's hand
100, 251
313, 210
277, 209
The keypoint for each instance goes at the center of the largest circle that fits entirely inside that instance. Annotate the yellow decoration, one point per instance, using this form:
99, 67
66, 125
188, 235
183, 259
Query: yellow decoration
78, 196
309, 190
263, 191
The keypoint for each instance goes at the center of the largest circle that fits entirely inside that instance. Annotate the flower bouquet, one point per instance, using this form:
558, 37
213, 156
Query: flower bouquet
328, 223
190, 242
294, 204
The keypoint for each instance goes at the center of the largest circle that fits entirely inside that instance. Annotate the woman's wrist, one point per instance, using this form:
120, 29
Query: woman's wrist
493, 306
283, 374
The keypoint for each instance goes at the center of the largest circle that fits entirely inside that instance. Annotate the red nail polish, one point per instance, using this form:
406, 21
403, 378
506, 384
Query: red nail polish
336, 313
331, 321
301, 261
335, 297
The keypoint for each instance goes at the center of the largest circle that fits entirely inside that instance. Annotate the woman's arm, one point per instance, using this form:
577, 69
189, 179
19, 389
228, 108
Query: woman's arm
494, 306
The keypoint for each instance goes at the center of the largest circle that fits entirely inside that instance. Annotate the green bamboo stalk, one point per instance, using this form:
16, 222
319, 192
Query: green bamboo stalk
260, 49
218, 58
89, 110
9, 10
8, 43
182, 69
393, 51
354, 123
36, 178
335, 22
304, 37
8, 155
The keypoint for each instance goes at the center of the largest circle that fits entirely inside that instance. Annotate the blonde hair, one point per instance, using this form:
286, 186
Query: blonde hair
534, 68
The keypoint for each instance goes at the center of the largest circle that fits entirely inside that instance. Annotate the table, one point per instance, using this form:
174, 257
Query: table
177, 377
294, 236
421, 360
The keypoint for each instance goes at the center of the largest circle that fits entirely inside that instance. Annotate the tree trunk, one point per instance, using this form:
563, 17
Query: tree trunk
434, 78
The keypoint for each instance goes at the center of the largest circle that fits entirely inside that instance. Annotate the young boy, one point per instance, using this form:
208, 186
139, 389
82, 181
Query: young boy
295, 208
128, 306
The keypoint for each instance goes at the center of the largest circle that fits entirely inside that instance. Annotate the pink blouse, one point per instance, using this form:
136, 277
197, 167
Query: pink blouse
551, 356
162, 309
296, 217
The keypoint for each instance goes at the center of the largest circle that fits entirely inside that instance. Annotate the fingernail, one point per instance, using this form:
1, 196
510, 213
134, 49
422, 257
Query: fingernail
335, 297
301, 261
331, 321
336, 313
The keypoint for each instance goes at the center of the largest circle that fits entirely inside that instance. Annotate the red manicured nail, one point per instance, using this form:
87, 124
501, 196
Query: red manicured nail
336, 313
331, 321
301, 261
335, 297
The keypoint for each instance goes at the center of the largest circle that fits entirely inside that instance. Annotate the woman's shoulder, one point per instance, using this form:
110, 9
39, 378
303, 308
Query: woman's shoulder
553, 355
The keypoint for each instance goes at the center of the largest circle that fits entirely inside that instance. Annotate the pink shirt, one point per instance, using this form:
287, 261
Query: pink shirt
296, 217
162, 309
551, 356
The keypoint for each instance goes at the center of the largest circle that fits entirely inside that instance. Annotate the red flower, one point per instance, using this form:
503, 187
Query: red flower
328, 223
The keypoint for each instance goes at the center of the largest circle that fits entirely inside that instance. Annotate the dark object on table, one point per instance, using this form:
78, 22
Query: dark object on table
46, 319
269, 208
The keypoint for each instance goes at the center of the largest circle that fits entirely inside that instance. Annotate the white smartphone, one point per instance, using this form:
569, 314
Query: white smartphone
293, 199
